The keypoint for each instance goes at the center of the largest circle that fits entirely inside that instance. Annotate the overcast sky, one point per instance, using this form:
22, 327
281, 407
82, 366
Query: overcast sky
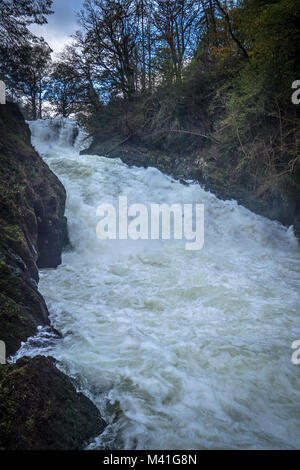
60, 25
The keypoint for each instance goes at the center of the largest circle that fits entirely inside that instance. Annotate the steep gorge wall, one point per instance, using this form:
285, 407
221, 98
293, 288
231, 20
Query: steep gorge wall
39, 405
32, 229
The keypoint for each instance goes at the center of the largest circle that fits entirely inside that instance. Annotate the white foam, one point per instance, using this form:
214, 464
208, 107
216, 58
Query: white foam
179, 350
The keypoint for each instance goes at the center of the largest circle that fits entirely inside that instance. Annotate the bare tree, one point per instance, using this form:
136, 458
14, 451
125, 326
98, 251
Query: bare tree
175, 21
111, 29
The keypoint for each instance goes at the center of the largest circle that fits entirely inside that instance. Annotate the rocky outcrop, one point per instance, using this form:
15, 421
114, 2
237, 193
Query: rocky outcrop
134, 154
33, 229
39, 406
41, 410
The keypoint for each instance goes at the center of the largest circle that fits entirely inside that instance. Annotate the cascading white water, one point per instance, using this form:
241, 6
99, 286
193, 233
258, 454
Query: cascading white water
179, 350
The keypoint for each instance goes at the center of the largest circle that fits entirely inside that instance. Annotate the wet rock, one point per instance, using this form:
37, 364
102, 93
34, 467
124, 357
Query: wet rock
33, 229
41, 410
39, 406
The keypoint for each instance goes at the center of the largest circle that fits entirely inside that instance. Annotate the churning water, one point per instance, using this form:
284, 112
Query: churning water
178, 349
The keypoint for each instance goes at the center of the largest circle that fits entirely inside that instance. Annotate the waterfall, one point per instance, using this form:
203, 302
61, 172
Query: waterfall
178, 349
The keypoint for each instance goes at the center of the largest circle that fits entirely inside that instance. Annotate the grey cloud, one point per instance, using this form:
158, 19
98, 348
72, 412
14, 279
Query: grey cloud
61, 25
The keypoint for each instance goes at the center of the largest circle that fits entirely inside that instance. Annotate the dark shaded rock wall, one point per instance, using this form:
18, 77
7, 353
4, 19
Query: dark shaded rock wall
40, 408
32, 229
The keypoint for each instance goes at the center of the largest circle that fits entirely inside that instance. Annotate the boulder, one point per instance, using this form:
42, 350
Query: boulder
41, 410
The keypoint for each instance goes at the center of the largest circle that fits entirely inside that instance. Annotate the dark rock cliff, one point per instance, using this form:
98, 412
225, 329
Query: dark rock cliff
39, 406
32, 229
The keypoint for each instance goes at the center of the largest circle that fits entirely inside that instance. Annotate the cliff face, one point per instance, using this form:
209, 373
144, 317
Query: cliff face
32, 229
39, 406
42, 410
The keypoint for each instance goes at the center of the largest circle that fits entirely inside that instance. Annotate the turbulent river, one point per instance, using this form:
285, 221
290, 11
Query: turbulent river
178, 349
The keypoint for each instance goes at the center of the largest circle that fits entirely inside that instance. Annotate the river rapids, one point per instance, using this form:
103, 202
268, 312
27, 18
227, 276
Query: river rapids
178, 349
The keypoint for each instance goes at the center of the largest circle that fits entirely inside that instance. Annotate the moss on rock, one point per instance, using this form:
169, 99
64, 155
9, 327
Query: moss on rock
41, 410
39, 406
32, 229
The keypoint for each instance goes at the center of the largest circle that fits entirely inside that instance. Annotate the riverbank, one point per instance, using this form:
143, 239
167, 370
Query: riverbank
33, 232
